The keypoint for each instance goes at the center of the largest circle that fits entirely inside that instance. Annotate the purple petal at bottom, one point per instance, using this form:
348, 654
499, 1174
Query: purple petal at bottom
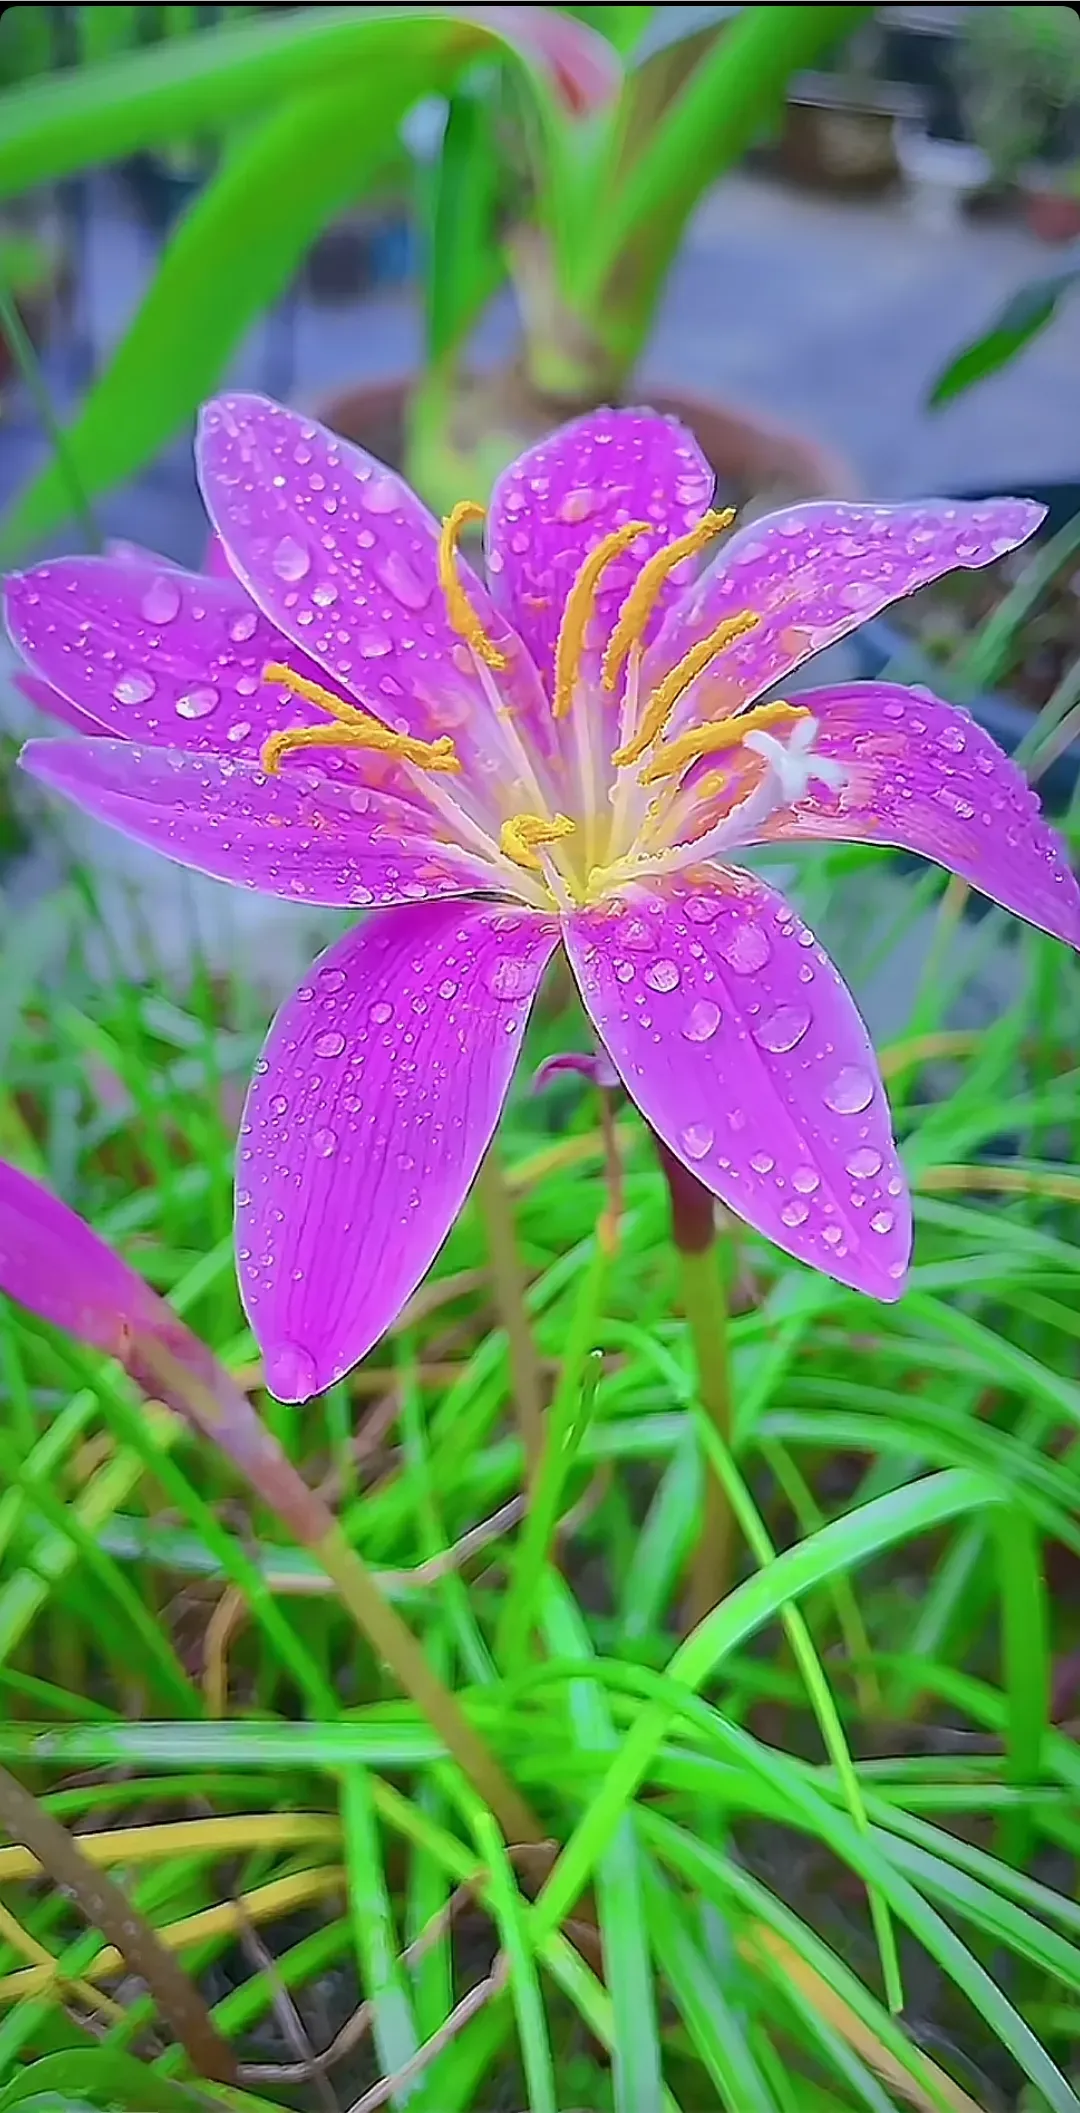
372, 1105
742, 1047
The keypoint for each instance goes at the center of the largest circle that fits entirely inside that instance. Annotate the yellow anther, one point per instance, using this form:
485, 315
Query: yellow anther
353, 729
459, 608
579, 607
641, 600
519, 837
672, 757
663, 700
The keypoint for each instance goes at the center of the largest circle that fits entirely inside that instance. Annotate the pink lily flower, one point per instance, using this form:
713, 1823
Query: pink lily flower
346, 714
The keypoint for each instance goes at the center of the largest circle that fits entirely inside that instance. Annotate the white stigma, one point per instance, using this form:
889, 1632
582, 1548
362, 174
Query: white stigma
792, 765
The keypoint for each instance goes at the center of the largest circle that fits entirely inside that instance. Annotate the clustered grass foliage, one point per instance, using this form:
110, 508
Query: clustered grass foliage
819, 1853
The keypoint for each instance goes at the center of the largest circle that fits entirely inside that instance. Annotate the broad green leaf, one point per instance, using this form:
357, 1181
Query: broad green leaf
465, 264
205, 83
1023, 318
100, 2077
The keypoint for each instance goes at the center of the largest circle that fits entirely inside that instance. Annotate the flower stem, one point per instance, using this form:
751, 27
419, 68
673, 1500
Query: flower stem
508, 1281
193, 1384
704, 1296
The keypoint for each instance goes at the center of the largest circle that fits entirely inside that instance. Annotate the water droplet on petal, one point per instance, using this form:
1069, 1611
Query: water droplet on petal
508, 977
806, 1180
380, 1012
331, 978
279, 1105
702, 909
579, 504
291, 560
697, 1140
795, 1213
198, 704
864, 1163
746, 948
448, 988
882, 1222
243, 626
325, 1143
329, 1044
291, 1372
782, 1029
662, 975
762, 1162
161, 602
403, 583
380, 494
702, 1021
833, 1234
324, 595
851, 1091
135, 688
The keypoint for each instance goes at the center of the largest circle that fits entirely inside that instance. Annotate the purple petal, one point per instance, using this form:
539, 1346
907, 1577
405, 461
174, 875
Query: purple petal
45, 699
125, 553
299, 836
923, 775
341, 556
372, 1105
51, 1263
812, 574
597, 1068
558, 501
742, 1047
156, 654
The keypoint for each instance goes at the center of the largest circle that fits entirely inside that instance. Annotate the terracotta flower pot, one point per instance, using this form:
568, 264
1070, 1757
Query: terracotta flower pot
757, 464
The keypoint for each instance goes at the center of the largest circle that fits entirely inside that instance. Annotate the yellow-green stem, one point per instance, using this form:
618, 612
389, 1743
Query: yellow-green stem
394, 1641
508, 1281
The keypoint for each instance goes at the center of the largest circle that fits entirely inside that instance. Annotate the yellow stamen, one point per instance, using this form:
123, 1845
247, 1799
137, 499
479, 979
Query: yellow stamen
354, 729
672, 757
459, 608
641, 600
579, 607
520, 835
663, 700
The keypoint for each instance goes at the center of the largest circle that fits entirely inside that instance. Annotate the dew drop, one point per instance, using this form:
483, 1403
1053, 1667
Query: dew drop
697, 1140
806, 1180
161, 602
331, 978
864, 1163
329, 1044
882, 1222
448, 988
702, 909
380, 1012
380, 494
198, 704
324, 595
795, 1213
243, 626
325, 1143
634, 934
782, 1029
746, 948
291, 1372
625, 971
833, 1234
579, 504
702, 1021
762, 1162
135, 688
662, 975
279, 1105
402, 582
291, 561
374, 645
851, 1091
508, 977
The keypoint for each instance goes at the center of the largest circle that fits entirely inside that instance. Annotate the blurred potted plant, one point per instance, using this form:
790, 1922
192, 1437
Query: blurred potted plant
1018, 73
840, 127
584, 223
576, 192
